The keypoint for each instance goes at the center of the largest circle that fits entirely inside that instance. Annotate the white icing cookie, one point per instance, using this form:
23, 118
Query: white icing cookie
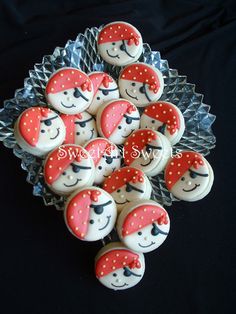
117, 119
143, 225
69, 90
118, 267
166, 118
127, 184
147, 150
80, 128
120, 43
68, 168
39, 130
189, 176
90, 213
105, 89
106, 157
141, 83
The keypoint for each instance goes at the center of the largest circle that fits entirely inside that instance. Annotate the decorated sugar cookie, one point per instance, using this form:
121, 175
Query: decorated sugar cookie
39, 130
105, 89
90, 214
80, 128
68, 168
189, 176
141, 83
120, 43
166, 118
127, 184
118, 267
147, 150
143, 225
117, 119
69, 90
106, 157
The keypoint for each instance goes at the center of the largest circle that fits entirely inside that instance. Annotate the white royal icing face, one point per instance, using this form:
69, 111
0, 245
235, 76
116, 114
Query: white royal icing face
52, 132
103, 95
85, 129
194, 183
127, 125
71, 101
129, 192
119, 52
102, 217
106, 165
148, 238
76, 175
123, 278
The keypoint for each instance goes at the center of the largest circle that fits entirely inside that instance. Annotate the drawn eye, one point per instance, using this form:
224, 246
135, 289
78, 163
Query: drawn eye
119, 127
64, 173
91, 221
42, 131
128, 120
118, 191
75, 168
155, 230
100, 167
113, 44
142, 90
65, 93
115, 274
133, 84
153, 121
98, 209
105, 92
140, 233
193, 175
183, 178
77, 133
127, 272
98, 98
47, 122
108, 160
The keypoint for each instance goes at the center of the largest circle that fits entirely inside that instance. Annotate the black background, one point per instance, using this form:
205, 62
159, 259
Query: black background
43, 268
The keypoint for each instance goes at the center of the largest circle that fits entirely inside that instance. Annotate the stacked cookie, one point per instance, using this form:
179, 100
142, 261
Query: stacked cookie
101, 140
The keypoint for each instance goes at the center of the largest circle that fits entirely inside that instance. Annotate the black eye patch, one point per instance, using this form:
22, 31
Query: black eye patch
155, 230
48, 122
78, 94
194, 174
122, 47
150, 148
129, 119
82, 124
98, 209
75, 168
109, 160
130, 188
105, 92
127, 273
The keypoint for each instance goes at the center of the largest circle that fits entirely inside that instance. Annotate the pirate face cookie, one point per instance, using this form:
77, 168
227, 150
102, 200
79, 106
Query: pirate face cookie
80, 128
68, 168
166, 118
120, 43
106, 157
69, 91
105, 89
143, 225
189, 176
39, 130
141, 83
127, 184
117, 119
147, 150
118, 267
90, 214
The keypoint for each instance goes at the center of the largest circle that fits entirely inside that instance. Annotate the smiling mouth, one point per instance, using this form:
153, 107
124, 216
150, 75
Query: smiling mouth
144, 165
144, 246
70, 185
134, 97
71, 106
125, 284
92, 133
58, 132
107, 223
194, 188
116, 56
127, 201
128, 134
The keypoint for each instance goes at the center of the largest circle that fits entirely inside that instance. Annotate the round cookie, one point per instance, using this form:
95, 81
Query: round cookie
106, 157
166, 118
90, 213
105, 89
117, 119
126, 185
80, 128
147, 150
69, 90
39, 130
143, 225
120, 43
141, 83
189, 176
119, 268
68, 168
